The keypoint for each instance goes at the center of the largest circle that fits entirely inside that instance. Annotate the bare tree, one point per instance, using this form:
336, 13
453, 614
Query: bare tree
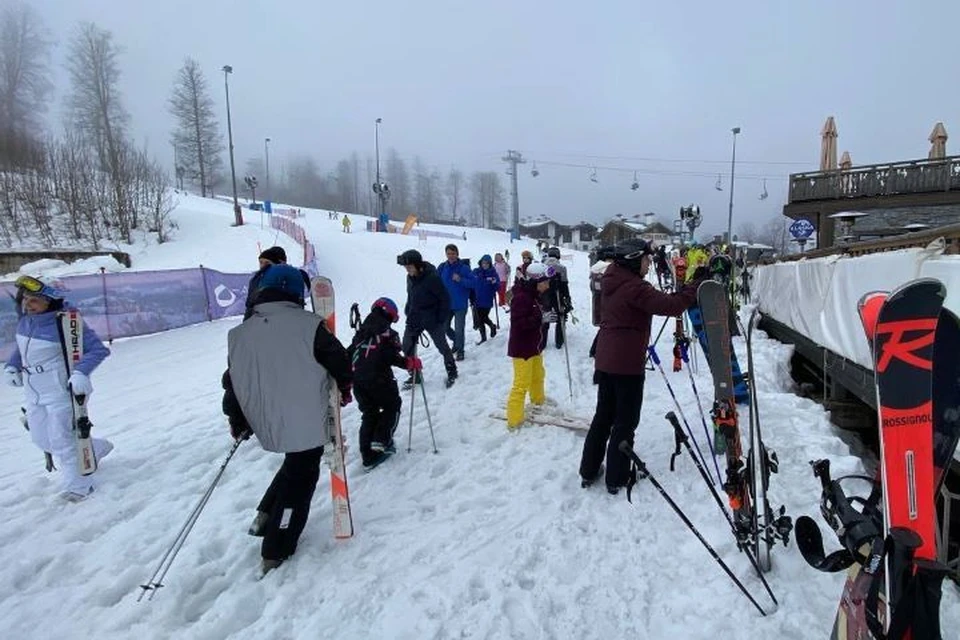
159, 204
398, 178
427, 196
24, 72
344, 187
197, 134
776, 234
488, 198
94, 104
747, 232
454, 191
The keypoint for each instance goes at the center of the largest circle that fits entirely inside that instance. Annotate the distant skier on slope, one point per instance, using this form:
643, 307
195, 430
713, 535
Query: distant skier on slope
629, 303
278, 390
526, 345
374, 351
427, 310
38, 366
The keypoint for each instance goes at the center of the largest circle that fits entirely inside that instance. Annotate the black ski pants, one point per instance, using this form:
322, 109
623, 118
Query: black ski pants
557, 334
379, 406
411, 338
287, 500
483, 321
619, 398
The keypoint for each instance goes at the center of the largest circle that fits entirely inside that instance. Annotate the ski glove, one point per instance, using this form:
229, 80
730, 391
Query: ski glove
346, 396
549, 316
79, 384
13, 376
414, 364
240, 430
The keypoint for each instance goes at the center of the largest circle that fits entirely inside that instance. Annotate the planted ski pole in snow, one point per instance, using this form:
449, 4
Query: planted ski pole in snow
652, 351
640, 472
685, 355
426, 408
566, 355
156, 580
681, 439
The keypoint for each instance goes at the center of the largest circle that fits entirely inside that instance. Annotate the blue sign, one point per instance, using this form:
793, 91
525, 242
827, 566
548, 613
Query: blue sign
801, 229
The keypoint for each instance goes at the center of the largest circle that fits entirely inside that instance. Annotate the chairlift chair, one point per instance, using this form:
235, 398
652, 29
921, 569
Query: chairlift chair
764, 195
717, 186
635, 185
593, 176
534, 171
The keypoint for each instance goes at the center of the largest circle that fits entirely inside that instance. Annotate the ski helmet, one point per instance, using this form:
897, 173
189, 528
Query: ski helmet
388, 306
30, 286
410, 256
554, 252
538, 271
285, 278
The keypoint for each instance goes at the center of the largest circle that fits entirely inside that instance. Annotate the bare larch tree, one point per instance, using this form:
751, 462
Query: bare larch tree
196, 134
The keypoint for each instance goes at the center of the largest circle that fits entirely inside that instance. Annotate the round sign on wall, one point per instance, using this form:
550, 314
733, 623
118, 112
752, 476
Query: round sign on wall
801, 229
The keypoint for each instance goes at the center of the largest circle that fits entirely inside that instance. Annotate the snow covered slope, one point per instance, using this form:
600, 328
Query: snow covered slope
491, 538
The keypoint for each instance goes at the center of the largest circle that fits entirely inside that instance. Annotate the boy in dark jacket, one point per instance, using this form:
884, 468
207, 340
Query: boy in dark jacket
427, 310
374, 352
486, 285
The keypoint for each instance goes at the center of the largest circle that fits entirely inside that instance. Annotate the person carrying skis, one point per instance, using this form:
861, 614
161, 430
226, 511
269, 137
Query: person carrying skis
39, 366
427, 310
458, 280
486, 283
277, 386
525, 346
503, 272
556, 298
628, 305
374, 351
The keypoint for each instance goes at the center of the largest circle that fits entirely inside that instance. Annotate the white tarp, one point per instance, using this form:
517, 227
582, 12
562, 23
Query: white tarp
818, 297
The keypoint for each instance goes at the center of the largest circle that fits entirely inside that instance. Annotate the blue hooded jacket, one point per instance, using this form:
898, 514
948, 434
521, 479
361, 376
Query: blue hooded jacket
459, 291
486, 283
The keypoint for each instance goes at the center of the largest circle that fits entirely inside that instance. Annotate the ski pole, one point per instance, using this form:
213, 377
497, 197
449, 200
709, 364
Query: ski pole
413, 400
656, 361
640, 472
566, 355
496, 311
681, 439
156, 580
426, 407
684, 354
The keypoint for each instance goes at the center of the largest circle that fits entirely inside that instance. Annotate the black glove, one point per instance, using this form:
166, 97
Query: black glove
240, 430
346, 397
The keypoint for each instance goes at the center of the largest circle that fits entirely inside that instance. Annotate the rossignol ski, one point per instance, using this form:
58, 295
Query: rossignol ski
323, 298
70, 329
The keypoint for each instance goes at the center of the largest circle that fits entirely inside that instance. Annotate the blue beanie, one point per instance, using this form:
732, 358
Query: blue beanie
285, 278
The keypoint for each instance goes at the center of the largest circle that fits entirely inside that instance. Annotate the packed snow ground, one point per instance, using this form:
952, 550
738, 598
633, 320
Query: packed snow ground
490, 538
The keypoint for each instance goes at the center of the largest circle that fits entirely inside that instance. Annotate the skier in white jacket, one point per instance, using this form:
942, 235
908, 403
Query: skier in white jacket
39, 367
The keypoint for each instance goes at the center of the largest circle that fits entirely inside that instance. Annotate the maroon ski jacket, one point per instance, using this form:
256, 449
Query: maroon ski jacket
525, 320
628, 305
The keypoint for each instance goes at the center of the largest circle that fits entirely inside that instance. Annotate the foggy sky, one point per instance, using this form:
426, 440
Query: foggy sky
655, 86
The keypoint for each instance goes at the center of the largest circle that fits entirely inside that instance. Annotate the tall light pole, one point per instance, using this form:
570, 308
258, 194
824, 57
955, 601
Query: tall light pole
237, 212
266, 153
733, 168
379, 187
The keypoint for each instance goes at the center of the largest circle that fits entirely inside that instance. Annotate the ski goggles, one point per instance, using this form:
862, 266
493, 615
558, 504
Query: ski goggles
35, 287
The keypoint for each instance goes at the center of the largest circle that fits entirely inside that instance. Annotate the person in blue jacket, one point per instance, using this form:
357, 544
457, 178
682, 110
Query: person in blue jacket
39, 367
458, 280
486, 282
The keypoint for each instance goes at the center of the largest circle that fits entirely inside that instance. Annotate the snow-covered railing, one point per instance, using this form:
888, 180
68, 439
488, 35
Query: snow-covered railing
297, 234
136, 303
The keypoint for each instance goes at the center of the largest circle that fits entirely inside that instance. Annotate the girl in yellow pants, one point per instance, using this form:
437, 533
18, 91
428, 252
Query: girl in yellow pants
525, 346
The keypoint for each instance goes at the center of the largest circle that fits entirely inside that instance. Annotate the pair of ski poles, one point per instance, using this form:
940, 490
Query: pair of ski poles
418, 382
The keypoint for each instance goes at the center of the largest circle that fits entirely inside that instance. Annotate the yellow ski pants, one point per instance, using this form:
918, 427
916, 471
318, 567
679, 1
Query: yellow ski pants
528, 376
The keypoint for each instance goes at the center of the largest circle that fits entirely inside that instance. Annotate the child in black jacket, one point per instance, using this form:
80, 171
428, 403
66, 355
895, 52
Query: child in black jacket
375, 350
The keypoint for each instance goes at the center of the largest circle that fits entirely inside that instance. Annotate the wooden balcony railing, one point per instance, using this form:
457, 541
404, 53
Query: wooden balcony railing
896, 178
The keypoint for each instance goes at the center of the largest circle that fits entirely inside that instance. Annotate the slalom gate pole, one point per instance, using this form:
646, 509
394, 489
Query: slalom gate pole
684, 354
642, 473
156, 580
681, 439
652, 351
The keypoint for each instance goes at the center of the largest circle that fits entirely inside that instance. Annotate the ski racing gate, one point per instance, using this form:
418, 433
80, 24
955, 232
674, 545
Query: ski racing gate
810, 299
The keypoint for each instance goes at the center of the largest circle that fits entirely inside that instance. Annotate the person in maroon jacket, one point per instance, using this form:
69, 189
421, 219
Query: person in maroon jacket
525, 344
629, 303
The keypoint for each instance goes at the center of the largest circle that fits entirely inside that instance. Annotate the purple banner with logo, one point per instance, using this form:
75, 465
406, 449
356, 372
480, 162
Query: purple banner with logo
121, 305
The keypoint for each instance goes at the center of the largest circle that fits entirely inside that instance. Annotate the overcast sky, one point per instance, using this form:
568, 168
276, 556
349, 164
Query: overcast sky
647, 86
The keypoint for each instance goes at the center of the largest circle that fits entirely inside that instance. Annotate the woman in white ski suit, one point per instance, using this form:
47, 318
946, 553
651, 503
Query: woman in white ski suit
38, 366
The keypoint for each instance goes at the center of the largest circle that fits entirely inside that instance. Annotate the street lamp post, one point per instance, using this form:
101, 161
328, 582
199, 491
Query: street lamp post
266, 153
381, 189
237, 212
733, 168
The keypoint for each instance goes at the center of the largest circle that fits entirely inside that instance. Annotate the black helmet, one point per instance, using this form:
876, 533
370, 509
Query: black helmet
630, 250
553, 252
410, 256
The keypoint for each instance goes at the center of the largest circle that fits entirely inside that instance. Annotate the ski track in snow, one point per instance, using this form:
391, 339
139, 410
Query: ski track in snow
490, 538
